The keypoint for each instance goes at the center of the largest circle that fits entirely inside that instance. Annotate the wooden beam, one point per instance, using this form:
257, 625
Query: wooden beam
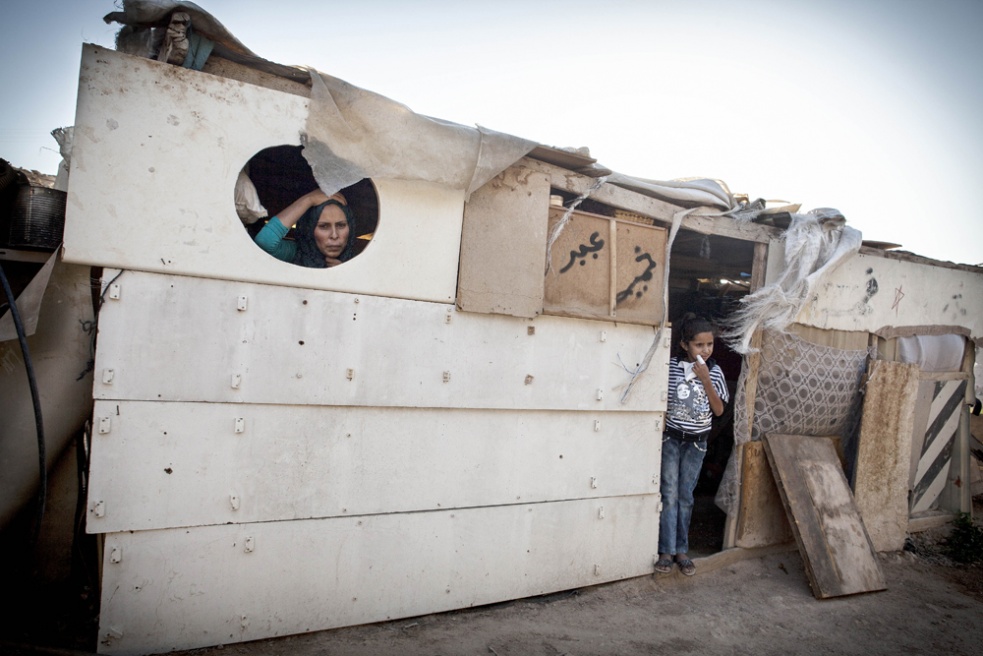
659, 210
759, 266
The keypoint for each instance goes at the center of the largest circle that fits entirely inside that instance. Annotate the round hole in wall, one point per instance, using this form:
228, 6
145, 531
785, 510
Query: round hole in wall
276, 177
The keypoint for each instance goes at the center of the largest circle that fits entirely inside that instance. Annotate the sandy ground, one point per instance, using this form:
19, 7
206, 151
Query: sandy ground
757, 606
754, 606
760, 606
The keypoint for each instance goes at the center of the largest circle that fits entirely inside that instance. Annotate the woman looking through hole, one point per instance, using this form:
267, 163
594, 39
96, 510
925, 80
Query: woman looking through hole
324, 235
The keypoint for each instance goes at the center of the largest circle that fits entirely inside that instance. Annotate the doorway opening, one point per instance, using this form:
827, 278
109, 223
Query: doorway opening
709, 275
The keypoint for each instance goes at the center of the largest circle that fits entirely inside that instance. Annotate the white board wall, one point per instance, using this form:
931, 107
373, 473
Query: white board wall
154, 163
232, 412
870, 293
279, 449
180, 589
177, 338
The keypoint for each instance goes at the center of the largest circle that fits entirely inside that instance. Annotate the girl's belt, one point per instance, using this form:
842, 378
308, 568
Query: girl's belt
687, 437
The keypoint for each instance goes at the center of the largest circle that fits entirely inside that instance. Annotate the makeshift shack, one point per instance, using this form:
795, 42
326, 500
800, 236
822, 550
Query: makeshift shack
470, 409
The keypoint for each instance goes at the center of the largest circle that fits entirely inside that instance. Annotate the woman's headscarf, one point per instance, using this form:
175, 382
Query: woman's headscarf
308, 254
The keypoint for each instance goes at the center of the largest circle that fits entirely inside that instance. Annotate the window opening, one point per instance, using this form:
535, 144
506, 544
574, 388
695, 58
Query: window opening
273, 180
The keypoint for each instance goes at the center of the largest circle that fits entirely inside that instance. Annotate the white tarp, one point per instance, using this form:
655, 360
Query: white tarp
354, 134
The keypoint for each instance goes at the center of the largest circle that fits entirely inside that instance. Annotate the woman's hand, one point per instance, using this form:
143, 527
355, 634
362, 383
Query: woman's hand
289, 216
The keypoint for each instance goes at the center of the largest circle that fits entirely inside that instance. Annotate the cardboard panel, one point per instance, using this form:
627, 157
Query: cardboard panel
837, 552
578, 282
640, 272
176, 338
503, 245
180, 589
163, 465
603, 268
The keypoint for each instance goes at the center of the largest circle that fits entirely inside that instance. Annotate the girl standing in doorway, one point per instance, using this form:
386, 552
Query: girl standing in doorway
697, 391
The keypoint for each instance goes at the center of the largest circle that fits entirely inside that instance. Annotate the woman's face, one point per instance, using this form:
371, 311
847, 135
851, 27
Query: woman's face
331, 232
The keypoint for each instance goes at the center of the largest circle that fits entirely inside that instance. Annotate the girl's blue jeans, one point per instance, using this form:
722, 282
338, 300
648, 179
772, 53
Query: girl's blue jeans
681, 464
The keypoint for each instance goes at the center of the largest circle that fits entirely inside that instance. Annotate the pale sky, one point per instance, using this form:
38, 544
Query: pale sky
869, 106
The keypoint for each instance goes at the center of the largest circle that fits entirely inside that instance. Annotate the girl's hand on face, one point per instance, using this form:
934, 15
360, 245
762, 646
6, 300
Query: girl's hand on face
702, 371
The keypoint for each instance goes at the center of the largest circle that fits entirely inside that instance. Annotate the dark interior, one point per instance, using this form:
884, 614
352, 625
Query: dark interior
708, 275
281, 175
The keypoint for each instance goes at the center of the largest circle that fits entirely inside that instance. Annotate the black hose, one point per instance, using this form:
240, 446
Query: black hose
38, 422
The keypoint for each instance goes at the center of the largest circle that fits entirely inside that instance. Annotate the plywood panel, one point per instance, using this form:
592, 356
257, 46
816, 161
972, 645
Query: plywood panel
163, 465
185, 156
761, 520
868, 293
884, 452
175, 338
180, 589
503, 245
603, 268
834, 544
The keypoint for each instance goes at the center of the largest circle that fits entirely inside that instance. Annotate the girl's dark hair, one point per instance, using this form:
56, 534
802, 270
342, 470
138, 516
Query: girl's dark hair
692, 325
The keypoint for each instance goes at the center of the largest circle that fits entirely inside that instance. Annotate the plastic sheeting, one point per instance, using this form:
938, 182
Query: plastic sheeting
142, 15
815, 244
933, 352
354, 134
688, 193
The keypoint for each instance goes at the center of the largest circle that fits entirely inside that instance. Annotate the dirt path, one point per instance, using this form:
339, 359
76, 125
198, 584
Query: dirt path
759, 606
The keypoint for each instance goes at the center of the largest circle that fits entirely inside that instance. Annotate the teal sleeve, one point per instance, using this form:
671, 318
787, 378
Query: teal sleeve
271, 239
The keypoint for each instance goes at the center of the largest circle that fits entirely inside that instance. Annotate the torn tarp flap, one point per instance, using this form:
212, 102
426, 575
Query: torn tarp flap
353, 134
156, 13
